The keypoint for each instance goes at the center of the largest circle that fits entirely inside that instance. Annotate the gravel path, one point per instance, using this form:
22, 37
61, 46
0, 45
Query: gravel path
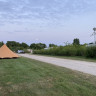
82, 66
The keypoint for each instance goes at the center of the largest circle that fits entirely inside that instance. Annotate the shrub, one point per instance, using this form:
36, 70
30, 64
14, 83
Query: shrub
26, 51
91, 52
69, 50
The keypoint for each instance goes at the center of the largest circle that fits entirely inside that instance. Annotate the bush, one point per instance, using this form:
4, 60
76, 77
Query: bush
71, 50
63, 51
26, 51
91, 52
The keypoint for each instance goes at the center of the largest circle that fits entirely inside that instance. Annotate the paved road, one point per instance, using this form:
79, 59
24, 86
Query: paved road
83, 66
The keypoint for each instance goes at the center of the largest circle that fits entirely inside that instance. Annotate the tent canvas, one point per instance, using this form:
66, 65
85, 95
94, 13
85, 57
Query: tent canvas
5, 52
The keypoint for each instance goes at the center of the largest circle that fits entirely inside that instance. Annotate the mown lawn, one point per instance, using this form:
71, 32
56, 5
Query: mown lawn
26, 77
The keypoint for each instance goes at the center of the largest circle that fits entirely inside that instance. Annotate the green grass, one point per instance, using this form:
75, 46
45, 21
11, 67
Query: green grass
26, 77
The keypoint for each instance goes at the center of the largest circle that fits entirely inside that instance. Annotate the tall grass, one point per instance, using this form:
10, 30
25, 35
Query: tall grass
69, 50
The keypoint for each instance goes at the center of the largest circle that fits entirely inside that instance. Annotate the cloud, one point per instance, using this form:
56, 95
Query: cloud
41, 11
44, 18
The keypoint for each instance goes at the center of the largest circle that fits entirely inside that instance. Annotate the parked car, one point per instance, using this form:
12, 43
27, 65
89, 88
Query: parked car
20, 51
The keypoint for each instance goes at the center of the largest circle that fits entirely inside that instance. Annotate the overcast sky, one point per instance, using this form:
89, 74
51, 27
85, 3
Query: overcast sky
47, 21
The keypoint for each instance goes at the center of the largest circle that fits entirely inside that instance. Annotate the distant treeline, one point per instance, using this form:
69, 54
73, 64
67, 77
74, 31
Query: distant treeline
13, 45
35, 46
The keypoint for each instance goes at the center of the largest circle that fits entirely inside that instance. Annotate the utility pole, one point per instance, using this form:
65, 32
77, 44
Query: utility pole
94, 34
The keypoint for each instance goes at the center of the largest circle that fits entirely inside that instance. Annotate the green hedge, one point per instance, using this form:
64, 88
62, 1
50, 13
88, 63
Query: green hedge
91, 52
70, 50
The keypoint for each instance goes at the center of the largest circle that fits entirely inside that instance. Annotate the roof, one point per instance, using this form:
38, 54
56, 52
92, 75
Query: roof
5, 52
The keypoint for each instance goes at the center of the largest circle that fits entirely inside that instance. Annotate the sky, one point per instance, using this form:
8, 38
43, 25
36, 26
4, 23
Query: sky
47, 21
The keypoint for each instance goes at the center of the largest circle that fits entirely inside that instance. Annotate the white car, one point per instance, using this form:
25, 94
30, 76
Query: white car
20, 51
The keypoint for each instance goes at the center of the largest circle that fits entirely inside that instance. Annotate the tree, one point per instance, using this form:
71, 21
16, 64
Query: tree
38, 46
24, 45
52, 45
76, 41
42, 45
1, 43
12, 44
33, 46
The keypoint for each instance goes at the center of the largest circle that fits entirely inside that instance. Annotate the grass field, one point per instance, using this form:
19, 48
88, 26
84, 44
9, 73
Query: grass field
26, 77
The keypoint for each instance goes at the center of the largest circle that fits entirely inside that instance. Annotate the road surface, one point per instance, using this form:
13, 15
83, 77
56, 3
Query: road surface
82, 66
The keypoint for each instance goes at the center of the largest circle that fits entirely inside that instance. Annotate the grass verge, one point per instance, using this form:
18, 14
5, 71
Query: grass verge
26, 77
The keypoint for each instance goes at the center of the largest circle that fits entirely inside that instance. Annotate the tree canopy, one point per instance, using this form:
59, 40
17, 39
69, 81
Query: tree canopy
38, 46
13, 45
52, 45
1, 43
76, 41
